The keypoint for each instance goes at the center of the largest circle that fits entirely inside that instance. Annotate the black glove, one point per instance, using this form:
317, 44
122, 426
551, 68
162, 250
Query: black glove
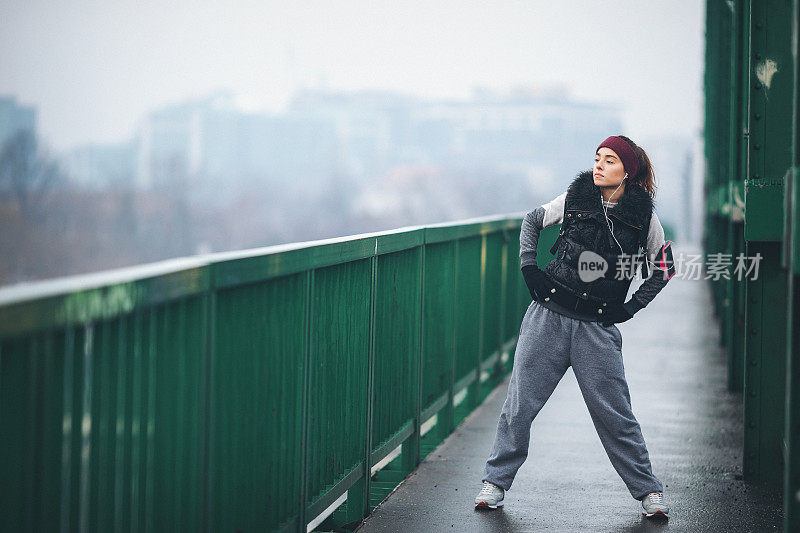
614, 313
539, 285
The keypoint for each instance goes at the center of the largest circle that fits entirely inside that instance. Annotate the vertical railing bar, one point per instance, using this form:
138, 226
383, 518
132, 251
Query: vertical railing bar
99, 405
149, 426
68, 424
180, 386
208, 439
135, 421
102, 427
119, 426
304, 421
85, 426
47, 421
33, 387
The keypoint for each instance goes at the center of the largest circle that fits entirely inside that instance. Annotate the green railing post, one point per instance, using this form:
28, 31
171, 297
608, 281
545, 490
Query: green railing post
791, 487
791, 261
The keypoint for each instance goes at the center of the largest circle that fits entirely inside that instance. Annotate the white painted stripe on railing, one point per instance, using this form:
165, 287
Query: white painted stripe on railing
326, 513
386, 460
428, 424
459, 397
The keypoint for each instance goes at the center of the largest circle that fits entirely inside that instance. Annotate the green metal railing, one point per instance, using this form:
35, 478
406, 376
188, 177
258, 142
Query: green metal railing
250, 390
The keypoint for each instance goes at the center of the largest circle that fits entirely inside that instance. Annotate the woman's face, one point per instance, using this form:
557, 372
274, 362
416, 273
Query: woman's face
608, 169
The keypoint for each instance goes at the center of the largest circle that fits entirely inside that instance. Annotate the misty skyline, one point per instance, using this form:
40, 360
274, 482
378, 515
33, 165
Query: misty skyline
93, 70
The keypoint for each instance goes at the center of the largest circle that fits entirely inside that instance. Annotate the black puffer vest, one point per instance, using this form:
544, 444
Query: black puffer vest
585, 229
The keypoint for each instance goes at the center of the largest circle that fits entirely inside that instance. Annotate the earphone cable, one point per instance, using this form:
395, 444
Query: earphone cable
605, 212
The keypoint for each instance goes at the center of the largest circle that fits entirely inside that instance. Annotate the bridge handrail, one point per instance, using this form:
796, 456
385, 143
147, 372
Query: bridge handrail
95, 296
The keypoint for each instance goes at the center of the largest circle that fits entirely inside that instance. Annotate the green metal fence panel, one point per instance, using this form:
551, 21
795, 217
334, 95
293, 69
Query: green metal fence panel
439, 311
178, 414
396, 343
493, 295
340, 334
438, 347
93, 443
469, 280
256, 399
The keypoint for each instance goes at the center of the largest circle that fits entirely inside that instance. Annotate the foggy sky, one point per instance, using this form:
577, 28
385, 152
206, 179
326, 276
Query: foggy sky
94, 68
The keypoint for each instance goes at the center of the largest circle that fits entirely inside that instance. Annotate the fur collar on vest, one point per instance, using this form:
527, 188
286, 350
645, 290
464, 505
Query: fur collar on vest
634, 206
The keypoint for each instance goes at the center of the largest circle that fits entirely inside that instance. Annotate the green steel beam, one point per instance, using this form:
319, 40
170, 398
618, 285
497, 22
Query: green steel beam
791, 481
770, 154
790, 260
738, 172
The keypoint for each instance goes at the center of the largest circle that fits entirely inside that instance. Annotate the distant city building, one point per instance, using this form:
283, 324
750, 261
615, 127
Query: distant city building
169, 144
102, 165
15, 117
373, 129
212, 142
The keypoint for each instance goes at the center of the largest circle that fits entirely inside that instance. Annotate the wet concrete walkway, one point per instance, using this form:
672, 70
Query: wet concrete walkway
676, 373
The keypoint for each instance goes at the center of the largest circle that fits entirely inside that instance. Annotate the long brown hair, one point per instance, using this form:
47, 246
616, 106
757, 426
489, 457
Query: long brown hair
646, 177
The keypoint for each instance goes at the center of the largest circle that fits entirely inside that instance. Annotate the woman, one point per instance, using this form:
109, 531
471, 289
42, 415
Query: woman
606, 216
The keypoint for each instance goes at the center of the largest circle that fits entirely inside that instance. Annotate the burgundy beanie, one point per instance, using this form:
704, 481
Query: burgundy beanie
629, 158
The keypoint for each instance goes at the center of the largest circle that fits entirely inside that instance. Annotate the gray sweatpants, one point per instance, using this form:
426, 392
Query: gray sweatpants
548, 344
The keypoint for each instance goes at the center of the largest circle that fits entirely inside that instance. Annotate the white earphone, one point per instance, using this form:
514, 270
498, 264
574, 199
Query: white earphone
608, 222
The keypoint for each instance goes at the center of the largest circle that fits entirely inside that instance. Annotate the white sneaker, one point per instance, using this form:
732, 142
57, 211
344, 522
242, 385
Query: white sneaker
490, 496
654, 505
